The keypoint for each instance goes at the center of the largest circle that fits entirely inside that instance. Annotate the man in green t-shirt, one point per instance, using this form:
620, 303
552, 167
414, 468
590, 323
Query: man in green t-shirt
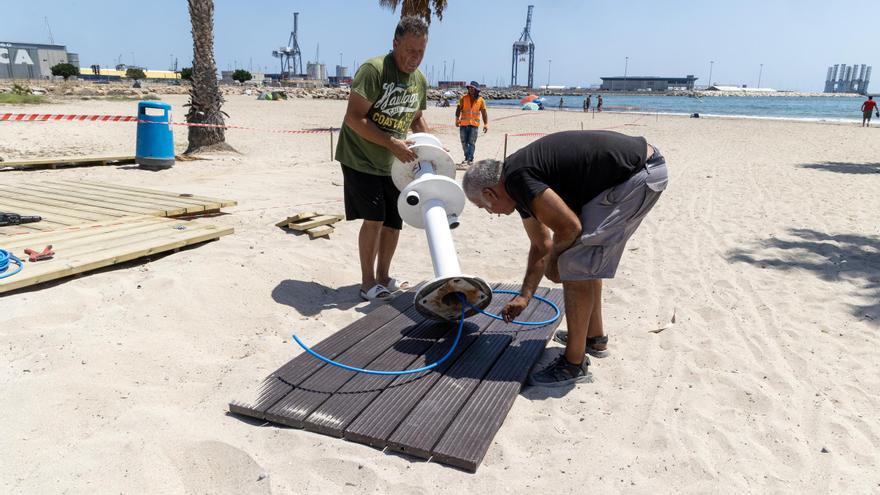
387, 97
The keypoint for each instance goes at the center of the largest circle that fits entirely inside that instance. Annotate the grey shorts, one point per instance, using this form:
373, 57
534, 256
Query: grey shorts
610, 219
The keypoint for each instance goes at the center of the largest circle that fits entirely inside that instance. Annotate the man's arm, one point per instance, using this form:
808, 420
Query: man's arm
540, 245
457, 112
357, 118
419, 124
485, 119
552, 211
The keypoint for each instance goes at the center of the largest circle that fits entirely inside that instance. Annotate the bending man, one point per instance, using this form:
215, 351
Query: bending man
590, 190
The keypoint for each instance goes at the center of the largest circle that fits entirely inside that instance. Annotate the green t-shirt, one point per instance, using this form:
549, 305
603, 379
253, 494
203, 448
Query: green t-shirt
396, 97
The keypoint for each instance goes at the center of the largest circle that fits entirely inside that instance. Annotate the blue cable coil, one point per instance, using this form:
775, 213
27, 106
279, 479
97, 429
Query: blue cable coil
5, 259
451, 348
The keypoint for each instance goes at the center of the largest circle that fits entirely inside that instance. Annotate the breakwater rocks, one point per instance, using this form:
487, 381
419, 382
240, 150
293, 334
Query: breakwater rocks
83, 89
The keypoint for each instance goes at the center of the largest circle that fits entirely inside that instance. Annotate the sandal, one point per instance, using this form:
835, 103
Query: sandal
561, 336
395, 285
377, 293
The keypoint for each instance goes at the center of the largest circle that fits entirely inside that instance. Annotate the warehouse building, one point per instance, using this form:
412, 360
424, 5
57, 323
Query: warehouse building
32, 60
648, 83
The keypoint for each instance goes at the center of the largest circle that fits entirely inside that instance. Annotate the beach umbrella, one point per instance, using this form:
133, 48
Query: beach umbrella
530, 106
527, 99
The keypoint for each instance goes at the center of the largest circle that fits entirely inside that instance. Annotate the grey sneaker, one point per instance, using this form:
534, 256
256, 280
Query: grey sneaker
561, 373
561, 336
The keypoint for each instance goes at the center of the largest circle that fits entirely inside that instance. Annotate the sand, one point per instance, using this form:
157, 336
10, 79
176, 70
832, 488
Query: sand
765, 246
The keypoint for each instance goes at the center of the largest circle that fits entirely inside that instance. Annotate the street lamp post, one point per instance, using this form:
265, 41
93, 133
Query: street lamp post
625, 68
549, 61
711, 64
760, 73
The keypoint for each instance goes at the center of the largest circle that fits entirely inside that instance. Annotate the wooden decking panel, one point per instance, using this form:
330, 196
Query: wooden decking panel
65, 203
467, 439
449, 414
92, 246
41, 163
280, 383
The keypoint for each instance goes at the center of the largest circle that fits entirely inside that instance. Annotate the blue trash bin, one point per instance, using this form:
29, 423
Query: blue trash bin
155, 141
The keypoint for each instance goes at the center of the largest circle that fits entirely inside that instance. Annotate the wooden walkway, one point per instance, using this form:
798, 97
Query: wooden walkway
88, 247
65, 203
44, 163
449, 414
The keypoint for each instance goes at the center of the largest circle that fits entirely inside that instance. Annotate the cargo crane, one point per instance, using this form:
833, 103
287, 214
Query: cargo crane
520, 47
290, 55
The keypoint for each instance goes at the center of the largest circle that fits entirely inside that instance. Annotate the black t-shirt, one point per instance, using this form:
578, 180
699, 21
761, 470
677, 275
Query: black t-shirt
577, 165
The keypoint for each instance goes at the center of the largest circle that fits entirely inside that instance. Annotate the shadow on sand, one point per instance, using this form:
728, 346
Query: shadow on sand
845, 167
851, 257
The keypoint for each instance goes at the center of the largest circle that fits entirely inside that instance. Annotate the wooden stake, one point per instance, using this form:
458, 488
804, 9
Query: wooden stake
504, 157
331, 144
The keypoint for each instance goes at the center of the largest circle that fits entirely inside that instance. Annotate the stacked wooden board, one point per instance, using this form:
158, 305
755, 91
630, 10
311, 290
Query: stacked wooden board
314, 224
449, 414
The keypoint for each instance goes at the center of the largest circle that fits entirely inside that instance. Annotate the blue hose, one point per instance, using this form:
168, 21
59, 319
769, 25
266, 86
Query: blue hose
451, 348
5, 258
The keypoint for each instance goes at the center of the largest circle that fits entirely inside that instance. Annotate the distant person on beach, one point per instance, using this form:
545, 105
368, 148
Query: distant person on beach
868, 107
561, 103
467, 119
587, 103
599, 104
590, 190
388, 95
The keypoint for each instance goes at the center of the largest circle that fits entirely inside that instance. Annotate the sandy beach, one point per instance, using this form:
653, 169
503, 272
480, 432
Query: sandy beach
765, 247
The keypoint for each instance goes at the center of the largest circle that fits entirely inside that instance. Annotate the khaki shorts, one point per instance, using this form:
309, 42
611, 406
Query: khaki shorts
610, 219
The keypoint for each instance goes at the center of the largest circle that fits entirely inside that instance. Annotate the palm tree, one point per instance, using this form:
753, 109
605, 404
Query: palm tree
205, 97
418, 8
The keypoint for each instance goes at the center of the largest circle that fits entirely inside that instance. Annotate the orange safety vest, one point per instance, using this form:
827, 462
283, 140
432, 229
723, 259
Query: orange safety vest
470, 111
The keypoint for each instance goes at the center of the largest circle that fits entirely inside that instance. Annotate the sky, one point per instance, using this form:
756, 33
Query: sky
576, 42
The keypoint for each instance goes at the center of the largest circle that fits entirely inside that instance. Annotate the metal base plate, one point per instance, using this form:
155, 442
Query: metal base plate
439, 300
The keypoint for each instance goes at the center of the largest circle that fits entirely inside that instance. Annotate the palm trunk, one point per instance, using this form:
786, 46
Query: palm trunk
205, 97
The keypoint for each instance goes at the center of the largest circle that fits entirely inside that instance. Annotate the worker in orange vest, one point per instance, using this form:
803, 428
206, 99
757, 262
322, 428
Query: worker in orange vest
467, 119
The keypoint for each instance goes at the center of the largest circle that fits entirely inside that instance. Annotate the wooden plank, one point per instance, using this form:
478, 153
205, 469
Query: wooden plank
151, 197
93, 238
24, 196
323, 230
428, 420
224, 203
314, 222
469, 436
55, 213
380, 419
298, 216
71, 161
121, 198
62, 230
53, 195
129, 248
277, 385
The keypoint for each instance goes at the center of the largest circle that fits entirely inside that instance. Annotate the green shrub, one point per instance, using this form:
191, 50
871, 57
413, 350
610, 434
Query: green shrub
135, 74
65, 70
186, 73
241, 75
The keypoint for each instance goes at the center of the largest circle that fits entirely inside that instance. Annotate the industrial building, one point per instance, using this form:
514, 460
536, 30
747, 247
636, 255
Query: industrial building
648, 83
841, 78
32, 60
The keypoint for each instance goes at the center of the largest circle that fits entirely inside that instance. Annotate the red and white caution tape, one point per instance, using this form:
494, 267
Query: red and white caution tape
41, 117
44, 117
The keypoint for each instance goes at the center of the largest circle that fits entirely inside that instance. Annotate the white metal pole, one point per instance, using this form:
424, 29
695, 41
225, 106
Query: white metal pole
443, 254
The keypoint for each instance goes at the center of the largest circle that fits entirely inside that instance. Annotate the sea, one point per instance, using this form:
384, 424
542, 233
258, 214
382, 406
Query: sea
810, 108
